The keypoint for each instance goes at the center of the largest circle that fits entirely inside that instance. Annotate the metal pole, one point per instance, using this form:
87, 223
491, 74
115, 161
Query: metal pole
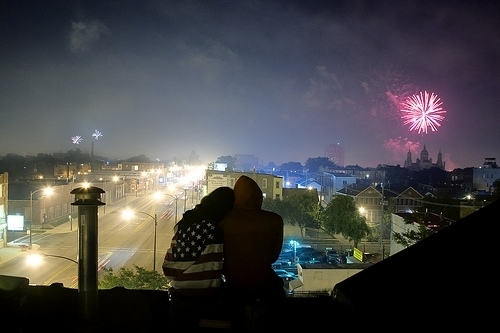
31, 217
185, 194
154, 247
176, 198
105, 198
61, 257
87, 200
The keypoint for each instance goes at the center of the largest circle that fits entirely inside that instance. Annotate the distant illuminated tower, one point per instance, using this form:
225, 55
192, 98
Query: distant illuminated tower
408, 162
335, 153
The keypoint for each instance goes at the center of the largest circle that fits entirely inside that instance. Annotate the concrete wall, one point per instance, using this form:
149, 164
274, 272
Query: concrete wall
323, 278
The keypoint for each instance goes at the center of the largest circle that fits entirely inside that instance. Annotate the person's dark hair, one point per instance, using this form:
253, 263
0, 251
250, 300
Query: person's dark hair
217, 203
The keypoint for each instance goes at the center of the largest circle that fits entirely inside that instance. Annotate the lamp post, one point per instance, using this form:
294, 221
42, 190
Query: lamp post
185, 198
144, 177
129, 213
175, 198
105, 194
47, 191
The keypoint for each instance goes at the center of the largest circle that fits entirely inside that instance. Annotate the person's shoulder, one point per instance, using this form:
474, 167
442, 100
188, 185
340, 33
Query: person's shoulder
272, 214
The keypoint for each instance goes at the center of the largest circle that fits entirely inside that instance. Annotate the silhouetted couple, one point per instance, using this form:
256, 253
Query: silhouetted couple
223, 250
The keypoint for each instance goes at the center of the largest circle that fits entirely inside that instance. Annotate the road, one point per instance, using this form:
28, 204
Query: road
121, 242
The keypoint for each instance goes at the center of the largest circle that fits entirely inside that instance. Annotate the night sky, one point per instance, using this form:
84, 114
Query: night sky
277, 79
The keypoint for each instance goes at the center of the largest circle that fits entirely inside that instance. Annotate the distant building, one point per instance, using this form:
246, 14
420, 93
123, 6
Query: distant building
484, 176
424, 162
4, 207
367, 199
333, 182
193, 158
271, 185
335, 153
406, 201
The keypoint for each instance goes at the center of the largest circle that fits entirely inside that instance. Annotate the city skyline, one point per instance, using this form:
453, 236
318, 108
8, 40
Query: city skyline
416, 158
280, 80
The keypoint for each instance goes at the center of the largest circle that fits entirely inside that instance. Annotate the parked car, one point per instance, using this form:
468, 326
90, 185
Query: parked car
311, 257
283, 262
283, 273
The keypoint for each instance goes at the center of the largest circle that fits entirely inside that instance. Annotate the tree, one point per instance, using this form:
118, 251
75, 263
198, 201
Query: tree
412, 236
319, 164
229, 160
139, 159
301, 209
292, 166
17, 166
496, 189
342, 217
141, 278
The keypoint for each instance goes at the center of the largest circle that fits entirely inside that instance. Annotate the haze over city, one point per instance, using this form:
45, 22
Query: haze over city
277, 79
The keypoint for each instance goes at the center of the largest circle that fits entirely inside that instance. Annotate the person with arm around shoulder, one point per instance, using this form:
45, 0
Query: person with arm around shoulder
193, 263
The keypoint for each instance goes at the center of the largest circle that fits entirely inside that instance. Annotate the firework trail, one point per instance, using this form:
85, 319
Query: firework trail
422, 111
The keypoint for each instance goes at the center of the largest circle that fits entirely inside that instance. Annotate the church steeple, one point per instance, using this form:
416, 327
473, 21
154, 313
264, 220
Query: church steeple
424, 155
439, 162
408, 161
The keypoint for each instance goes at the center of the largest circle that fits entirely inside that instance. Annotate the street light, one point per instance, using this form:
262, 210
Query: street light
47, 191
175, 198
144, 175
185, 198
128, 214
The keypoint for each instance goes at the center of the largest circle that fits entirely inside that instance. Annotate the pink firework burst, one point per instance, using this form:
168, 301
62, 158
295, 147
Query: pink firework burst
423, 111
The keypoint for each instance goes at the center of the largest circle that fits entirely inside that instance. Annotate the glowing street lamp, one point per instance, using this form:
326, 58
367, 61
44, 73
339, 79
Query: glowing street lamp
175, 198
47, 191
129, 214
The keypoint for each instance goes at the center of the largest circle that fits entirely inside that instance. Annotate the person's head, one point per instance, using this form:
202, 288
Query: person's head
218, 202
247, 193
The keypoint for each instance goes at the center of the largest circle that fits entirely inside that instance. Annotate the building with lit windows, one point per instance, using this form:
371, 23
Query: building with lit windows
484, 176
335, 153
368, 200
271, 185
4, 207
